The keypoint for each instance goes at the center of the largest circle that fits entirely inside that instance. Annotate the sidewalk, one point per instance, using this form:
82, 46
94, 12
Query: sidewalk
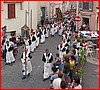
91, 75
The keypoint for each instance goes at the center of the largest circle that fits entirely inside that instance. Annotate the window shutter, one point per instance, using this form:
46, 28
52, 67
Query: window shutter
81, 5
11, 11
90, 5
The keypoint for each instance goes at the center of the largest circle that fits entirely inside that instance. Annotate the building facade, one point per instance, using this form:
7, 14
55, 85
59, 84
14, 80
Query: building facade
89, 14
16, 14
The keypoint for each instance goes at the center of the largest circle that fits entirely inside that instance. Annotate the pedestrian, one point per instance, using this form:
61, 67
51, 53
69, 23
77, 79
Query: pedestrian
54, 75
26, 63
28, 44
38, 38
33, 45
42, 40
9, 53
52, 31
60, 29
58, 62
76, 82
47, 32
61, 49
3, 47
66, 69
72, 66
63, 85
47, 59
57, 81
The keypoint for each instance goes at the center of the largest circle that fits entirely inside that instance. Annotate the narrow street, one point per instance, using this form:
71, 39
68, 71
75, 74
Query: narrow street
12, 75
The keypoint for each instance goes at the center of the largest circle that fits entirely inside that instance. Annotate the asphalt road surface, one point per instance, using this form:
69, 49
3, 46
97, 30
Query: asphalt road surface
12, 74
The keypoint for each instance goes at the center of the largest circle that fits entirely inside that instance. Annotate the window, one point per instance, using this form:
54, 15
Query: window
85, 5
11, 11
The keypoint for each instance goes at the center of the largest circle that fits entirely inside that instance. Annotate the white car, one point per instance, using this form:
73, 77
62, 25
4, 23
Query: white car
89, 34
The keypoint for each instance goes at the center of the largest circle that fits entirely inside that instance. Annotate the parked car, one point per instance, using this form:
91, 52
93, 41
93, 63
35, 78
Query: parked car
89, 34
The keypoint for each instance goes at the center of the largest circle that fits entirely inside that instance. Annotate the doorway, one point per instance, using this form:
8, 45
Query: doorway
86, 20
43, 12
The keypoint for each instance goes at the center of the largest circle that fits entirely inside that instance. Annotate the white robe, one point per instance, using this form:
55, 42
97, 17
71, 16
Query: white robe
60, 51
27, 67
27, 45
43, 37
47, 33
56, 29
33, 45
52, 31
9, 55
37, 41
61, 29
47, 67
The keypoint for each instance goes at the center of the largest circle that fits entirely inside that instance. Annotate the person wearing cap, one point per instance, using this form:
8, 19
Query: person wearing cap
47, 59
9, 53
26, 63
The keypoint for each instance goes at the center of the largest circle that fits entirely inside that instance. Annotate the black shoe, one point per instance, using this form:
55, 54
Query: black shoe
6, 63
28, 74
24, 77
43, 71
44, 79
13, 62
23, 70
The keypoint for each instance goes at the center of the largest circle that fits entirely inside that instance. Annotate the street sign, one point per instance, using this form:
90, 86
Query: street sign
77, 18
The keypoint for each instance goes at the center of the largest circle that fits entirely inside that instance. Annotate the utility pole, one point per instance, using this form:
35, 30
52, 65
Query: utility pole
26, 17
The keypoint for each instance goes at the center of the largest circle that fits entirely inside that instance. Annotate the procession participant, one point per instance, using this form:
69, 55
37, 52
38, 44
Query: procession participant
30, 42
47, 32
60, 49
42, 31
52, 31
64, 36
65, 45
26, 42
12, 46
56, 27
9, 53
26, 63
33, 45
60, 29
3, 47
47, 59
38, 38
